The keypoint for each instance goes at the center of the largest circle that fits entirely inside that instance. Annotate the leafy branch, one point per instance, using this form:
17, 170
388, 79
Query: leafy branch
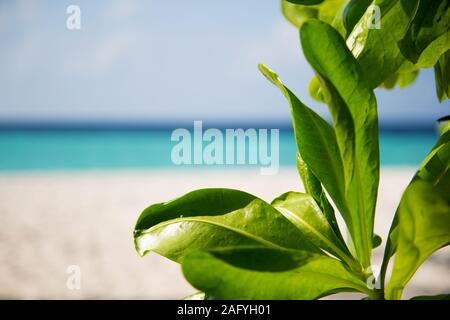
233, 245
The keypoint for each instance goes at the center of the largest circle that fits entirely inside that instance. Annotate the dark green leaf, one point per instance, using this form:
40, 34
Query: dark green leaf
442, 76
376, 241
258, 273
353, 12
444, 119
353, 108
431, 23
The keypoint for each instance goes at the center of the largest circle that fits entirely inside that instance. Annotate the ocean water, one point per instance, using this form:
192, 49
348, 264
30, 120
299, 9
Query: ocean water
24, 150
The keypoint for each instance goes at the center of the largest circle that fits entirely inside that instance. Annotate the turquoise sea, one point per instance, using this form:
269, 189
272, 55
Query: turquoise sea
25, 150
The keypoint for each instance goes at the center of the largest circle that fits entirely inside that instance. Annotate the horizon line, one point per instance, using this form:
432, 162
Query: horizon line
393, 126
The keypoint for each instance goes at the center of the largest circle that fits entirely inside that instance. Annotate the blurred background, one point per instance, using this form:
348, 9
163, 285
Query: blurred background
86, 118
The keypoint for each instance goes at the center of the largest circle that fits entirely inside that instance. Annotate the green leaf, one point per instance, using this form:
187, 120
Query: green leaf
402, 79
297, 12
434, 51
405, 79
305, 2
423, 228
422, 222
390, 81
353, 108
432, 171
376, 49
214, 218
353, 13
376, 241
431, 22
315, 91
314, 188
442, 76
302, 210
436, 297
317, 145
262, 273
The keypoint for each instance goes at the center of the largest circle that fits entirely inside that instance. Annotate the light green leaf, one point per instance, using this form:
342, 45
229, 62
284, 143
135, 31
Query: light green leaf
376, 49
423, 228
302, 210
297, 12
315, 91
314, 188
214, 218
317, 145
422, 222
267, 274
353, 108
402, 79
433, 169
405, 79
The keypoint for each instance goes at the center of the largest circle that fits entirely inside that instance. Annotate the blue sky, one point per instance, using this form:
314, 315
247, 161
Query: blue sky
164, 61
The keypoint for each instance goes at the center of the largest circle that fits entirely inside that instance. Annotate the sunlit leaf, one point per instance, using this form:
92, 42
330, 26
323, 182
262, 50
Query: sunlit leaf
214, 218
302, 210
297, 12
422, 221
317, 145
377, 50
353, 108
314, 188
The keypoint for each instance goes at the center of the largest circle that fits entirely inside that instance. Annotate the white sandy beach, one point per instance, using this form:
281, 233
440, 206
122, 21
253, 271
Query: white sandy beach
49, 221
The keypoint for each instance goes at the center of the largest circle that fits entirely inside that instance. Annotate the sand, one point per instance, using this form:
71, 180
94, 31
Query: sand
50, 221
